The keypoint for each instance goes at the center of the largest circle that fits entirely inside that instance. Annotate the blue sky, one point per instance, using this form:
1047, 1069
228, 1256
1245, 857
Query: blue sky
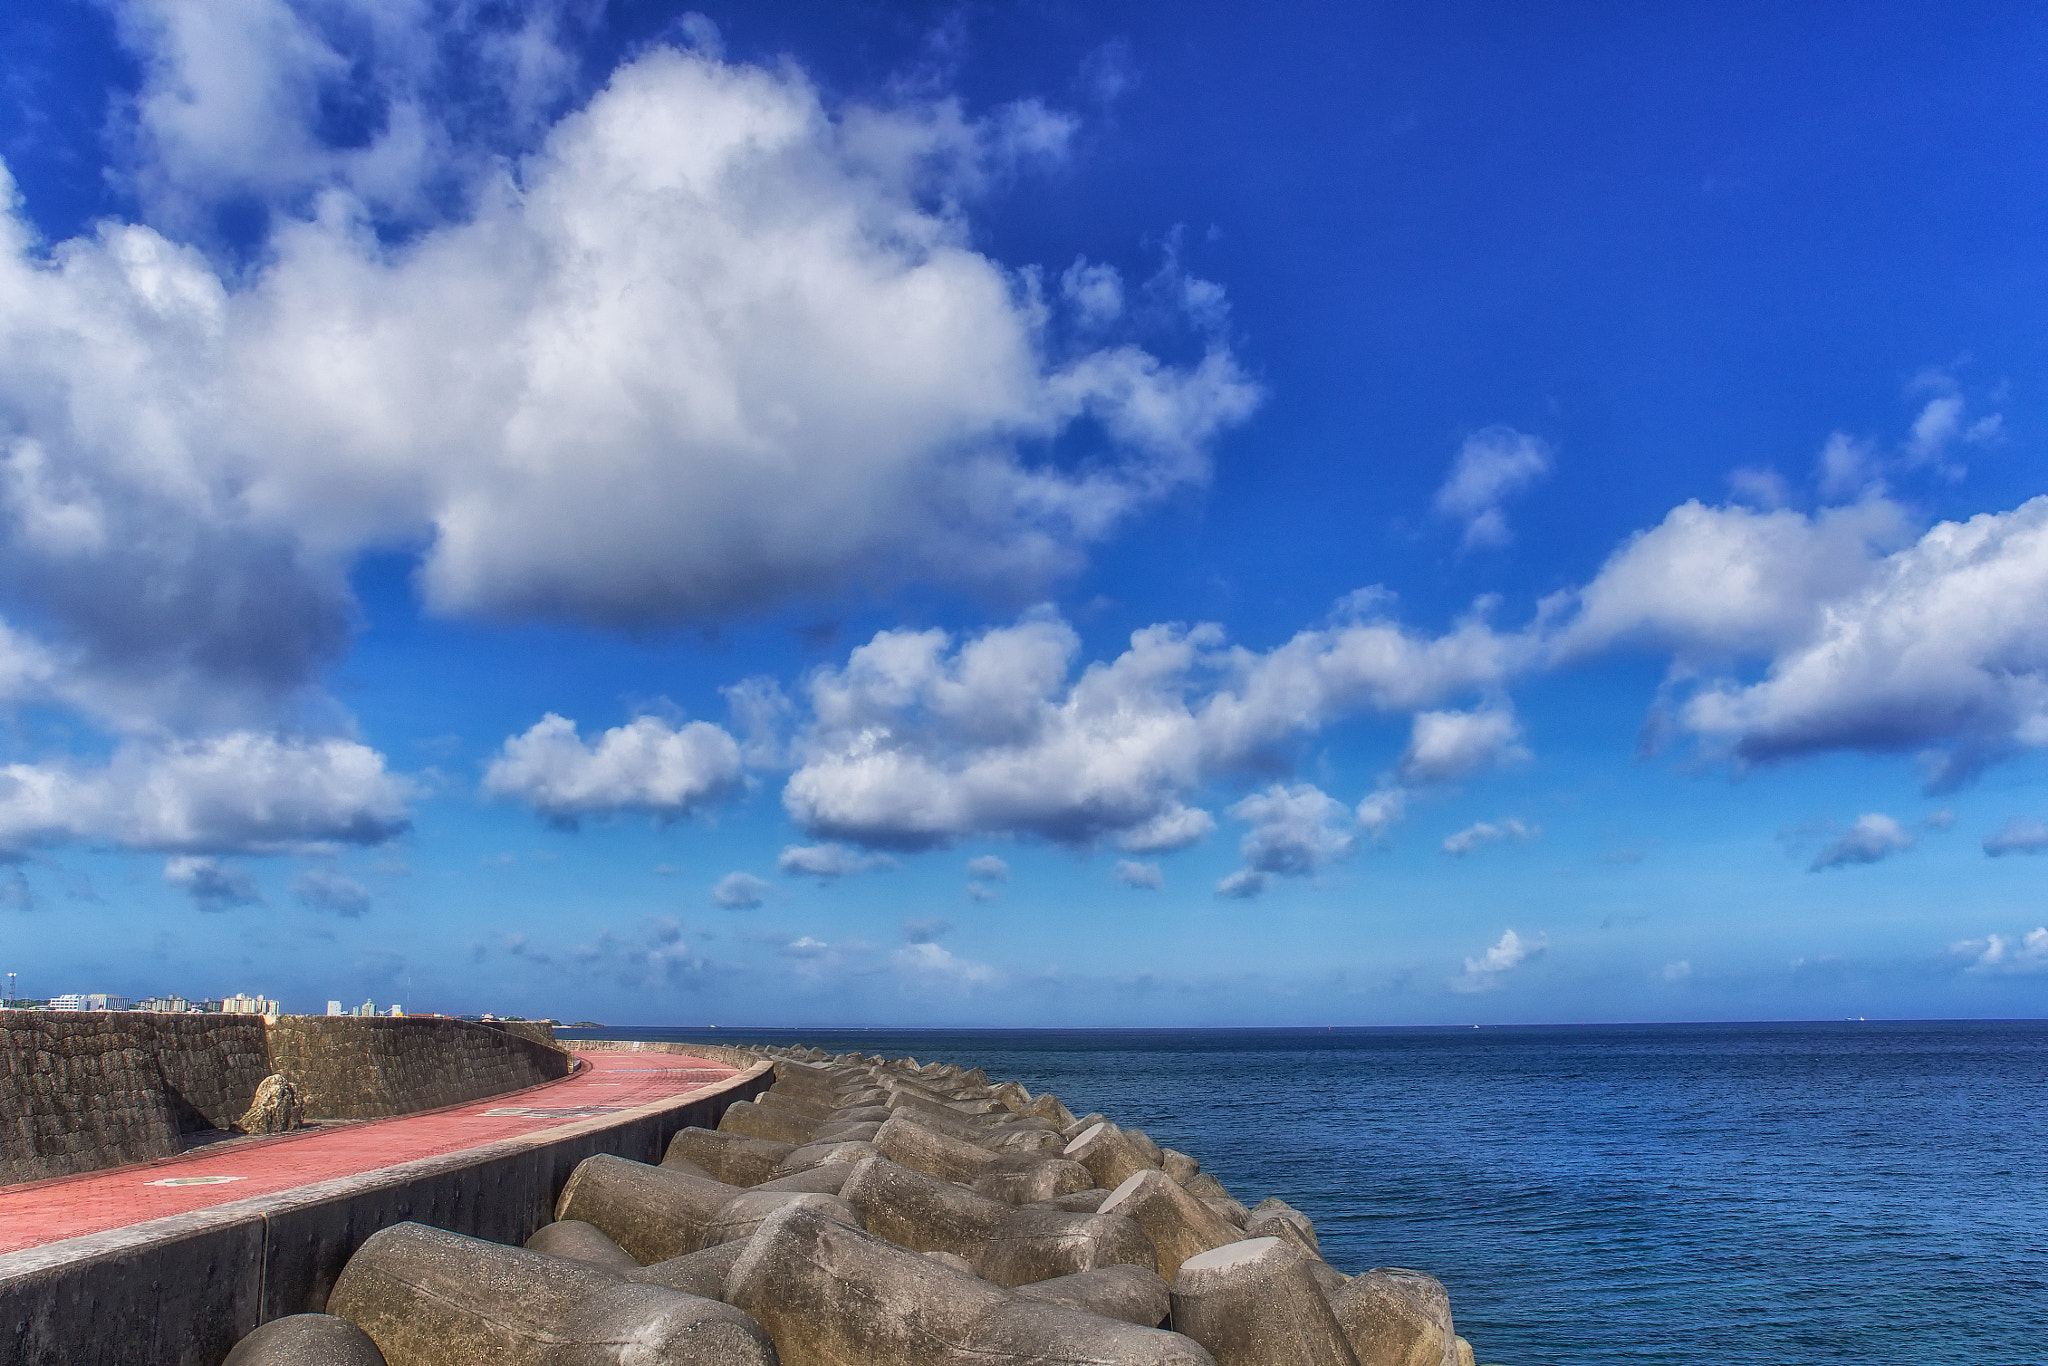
1015, 515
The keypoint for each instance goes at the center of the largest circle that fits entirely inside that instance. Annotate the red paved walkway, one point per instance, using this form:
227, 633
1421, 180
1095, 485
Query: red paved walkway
70, 1206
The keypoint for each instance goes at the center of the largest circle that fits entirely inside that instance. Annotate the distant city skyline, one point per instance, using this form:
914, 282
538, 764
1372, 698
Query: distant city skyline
1051, 515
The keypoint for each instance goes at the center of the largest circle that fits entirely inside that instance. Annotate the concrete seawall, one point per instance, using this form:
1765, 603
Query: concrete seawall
183, 1290
80, 1092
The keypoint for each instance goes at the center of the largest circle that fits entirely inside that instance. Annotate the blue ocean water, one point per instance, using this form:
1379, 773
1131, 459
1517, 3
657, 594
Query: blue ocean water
1713, 1194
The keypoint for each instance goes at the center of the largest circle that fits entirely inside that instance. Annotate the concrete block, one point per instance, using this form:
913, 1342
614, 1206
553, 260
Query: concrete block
433, 1298
735, 1159
1179, 1225
1134, 1294
1110, 1155
306, 1340
581, 1242
1396, 1317
1005, 1244
1254, 1303
833, 1296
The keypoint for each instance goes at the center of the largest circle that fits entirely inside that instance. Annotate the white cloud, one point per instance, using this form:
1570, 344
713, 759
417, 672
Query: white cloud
1445, 746
917, 741
1478, 836
740, 891
645, 765
1939, 647
1380, 811
323, 889
1678, 971
1242, 885
1296, 831
1492, 466
1773, 574
1873, 837
988, 868
2018, 836
240, 792
932, 963
1508, 953
2002, 954
828, 860
1144, 876
212, 885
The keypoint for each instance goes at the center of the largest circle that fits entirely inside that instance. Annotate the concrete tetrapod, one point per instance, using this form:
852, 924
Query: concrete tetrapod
1134, 1294
1014, 1178
428, 1297
830, 1295
1255, 1303
1004, 1244
655, 1213
581, 1242
1179, 1225
306, 1340
765, 1121
1110, 1155
733, 1158
1397, 1317
1272, 1211
695, 1273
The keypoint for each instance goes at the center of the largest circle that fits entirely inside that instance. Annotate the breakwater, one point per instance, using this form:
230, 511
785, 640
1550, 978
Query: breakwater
868, 1210
80, 1092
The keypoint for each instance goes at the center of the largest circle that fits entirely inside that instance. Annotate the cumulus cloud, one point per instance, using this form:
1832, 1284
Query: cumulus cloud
2019, 835
1492, 466
1445, 746
740, 891
828, 861
1508, 953
755, 283
932, 963
242, 792
1479, 835
1873, 837
1295, 832
646, 765
212, 885
1940, 649
1773, 575
917, 741
1380, 811
323, 889
1146, 877
1678, 971
1997, 953
988, 868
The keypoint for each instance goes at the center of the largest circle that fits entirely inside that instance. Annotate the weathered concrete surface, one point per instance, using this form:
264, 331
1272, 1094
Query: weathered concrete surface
1179, 1225
581, 1242
1134, 1294
79, 1092
1397, 1317
830, 1295
306, 1340
433, 1298
349, 1068
190, 1286
1256, 1303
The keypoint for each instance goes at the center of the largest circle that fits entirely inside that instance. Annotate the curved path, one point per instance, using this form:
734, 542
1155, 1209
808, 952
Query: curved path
70, 1206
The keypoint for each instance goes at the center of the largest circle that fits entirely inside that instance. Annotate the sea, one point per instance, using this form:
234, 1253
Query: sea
1713, 1194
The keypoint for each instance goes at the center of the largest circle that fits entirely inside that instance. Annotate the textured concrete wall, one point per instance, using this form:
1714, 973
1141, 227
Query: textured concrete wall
79, 1092
367, 1069
182, 1291
83, 1091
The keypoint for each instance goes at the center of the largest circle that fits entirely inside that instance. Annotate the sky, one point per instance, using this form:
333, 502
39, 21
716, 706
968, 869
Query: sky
1043, 514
